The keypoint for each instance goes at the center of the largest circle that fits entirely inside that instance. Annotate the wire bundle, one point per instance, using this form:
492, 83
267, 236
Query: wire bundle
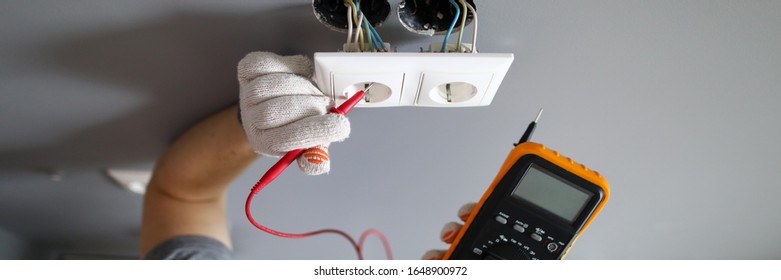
363, 30
462, 16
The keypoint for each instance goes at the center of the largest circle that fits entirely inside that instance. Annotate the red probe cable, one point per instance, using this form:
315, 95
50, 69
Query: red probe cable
283, 163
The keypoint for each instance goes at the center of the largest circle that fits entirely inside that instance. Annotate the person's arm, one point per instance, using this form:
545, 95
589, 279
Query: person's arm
187, 192
282, 110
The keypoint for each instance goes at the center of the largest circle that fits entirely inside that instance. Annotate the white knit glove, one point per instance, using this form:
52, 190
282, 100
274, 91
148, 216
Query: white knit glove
282, 110
450, 231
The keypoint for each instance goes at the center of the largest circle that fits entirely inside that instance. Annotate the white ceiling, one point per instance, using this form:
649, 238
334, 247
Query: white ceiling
676, 103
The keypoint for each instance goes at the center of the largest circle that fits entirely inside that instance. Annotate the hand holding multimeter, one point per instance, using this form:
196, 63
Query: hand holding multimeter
536, 207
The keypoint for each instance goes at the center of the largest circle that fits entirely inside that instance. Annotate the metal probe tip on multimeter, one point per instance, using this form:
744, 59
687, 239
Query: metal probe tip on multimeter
529, 129
537, 206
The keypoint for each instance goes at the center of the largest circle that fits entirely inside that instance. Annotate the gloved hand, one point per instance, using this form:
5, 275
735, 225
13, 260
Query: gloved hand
282, 110
450, 231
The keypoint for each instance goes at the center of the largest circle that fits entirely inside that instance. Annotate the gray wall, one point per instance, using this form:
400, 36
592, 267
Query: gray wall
13, 247
676, 102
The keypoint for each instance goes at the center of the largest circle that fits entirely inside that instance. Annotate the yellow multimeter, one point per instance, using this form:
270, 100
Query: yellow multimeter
536, 207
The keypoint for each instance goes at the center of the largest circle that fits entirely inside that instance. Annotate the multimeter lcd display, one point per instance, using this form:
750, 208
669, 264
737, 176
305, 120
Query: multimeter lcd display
552, 193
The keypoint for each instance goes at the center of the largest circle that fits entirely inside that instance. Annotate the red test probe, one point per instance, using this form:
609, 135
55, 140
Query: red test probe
283, 163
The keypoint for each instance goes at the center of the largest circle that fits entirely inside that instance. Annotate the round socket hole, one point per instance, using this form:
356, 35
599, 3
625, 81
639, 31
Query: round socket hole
377, 93
333, 13
454, 92
432, 17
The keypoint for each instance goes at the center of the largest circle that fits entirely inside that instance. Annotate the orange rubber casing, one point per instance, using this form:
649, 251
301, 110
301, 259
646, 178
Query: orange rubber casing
552, 156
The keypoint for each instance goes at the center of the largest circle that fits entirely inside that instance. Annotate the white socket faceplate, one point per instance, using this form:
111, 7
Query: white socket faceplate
414, 79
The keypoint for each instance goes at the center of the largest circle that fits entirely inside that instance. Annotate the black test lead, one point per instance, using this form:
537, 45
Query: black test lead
529, 130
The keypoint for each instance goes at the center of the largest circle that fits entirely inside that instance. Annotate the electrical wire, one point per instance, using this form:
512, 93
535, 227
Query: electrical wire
474, 34
382, 43
359, 38
365, 29
283, 163
377, 37
452, 25
463, 25
369, 33
373, 35
349, 23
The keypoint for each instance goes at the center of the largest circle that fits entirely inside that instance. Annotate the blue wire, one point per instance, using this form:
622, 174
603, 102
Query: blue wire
452, 25
369, 31
372, 32
365, 23
376, 36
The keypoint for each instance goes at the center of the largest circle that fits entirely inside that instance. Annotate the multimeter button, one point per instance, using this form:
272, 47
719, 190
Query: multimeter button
477, 251
552, 246
501, 220
536, 237
519, 228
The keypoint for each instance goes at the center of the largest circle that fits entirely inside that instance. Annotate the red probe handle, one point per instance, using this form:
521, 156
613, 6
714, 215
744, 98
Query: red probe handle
286, 160
283, 163
348, 105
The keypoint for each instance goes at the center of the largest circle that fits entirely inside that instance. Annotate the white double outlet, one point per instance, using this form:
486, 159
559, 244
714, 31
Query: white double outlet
412, 79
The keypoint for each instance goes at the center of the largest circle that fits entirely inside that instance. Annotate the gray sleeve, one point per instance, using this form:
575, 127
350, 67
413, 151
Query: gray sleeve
190, 248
